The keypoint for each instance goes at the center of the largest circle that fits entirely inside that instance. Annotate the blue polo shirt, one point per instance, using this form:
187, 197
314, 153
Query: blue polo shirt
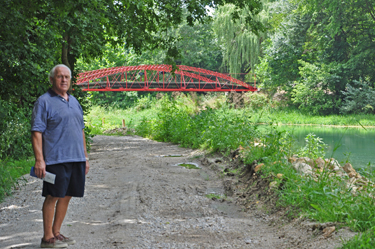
61, 124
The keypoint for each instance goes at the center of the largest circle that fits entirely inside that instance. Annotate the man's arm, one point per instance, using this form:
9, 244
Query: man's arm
40, 164
86, 155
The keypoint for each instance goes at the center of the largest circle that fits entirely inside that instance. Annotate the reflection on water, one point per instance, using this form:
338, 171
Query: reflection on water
355, 144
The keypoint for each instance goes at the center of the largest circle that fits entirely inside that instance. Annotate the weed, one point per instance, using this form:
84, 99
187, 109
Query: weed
365, 240
188, 165
315, 147
215, 196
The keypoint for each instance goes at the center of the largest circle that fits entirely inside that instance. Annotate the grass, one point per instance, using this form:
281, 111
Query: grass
365, 240
188, 166
295, 117
10, 175
215, 196
101, 119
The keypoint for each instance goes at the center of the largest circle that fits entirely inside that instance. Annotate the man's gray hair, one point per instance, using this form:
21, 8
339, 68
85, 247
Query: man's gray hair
52, 73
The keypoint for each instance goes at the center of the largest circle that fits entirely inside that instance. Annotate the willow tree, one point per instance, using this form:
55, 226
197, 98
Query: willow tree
240, 40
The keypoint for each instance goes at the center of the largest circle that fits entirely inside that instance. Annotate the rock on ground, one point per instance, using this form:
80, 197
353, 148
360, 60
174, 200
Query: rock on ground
136, 197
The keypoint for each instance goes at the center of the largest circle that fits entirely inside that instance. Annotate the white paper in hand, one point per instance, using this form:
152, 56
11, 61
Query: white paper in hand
48, 178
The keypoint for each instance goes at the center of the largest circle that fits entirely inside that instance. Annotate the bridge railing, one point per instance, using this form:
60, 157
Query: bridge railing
159, 78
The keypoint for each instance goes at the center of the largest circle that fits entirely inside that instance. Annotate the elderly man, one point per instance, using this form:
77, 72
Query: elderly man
59, 147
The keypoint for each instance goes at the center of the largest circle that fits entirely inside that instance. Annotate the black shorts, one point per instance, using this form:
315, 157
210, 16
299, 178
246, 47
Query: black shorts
70, 180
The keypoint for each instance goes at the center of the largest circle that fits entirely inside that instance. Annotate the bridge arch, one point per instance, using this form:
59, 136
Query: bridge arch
159, 78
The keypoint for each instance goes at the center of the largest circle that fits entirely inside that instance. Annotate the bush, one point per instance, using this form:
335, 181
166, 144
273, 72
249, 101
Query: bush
314, 148
315, 92
256, 100
15, 138
359, 98
10, 173
144, 103
214, 130
114, 99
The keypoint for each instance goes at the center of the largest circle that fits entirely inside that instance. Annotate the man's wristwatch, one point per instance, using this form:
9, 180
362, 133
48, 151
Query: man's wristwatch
87, 159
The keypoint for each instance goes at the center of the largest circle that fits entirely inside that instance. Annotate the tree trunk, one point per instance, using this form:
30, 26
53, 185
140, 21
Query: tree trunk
65, 51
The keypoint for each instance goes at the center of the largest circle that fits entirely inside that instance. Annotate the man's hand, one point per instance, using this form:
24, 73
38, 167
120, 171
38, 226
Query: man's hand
40, 169
86, 155
87, 167
40, 164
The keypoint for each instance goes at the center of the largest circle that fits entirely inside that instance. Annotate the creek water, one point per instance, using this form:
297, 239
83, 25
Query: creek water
355, 145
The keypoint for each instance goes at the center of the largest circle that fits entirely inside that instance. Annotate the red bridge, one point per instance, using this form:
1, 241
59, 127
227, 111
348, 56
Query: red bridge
160, 78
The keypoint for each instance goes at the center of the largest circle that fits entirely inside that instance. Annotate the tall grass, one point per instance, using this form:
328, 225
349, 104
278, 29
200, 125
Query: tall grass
215, 130
101, 119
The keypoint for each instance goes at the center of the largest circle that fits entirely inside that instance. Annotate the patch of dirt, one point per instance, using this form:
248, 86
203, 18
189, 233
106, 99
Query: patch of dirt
138, 198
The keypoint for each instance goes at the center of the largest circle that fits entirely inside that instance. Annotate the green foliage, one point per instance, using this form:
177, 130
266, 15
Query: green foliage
215, 196
10, 173
214, 130
241, 42
145, 102
278, 68
256, 100
359, 98
199, 46
268, 146
348, 41
118, 55
120, 100
14, 132
334, 49
25, 58
188, 166
314, 148
287, 144
113, 118
315, 93
365, 240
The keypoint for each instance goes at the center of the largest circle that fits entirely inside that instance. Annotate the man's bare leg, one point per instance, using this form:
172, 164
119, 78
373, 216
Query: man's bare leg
61, 209
48, 214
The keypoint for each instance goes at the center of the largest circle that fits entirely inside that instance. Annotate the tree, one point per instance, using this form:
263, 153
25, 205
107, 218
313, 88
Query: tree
199, 46
334, 37
279, 67
359, 98
241, 41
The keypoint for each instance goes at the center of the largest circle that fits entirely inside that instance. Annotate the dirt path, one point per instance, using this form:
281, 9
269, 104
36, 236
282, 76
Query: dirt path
135, 198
